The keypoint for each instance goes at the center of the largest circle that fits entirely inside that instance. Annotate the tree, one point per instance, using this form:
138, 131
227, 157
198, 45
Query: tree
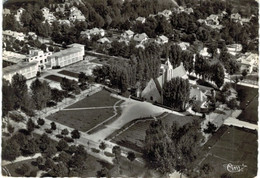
23, 169
232, 104
10, 128
131, 157
49, 163
211, 128
10, 150
65, 132
117, 152
218, 78
176, 93
20, 90
40, 121
30, 125
82, 78
104, 172
8, 99
102, 146
75, 134
53, 126
62, 145
41, 93
59, 170
57, 95
50, 150
244, 73
64, 157
39, 160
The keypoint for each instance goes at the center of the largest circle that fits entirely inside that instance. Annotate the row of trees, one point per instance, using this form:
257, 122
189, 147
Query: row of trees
173, 147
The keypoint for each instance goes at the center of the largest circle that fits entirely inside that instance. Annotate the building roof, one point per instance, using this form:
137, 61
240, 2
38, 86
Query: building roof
13, 33
66, 52
13, 57
196, 92
129, 32
104, 40
140, 37
17, 67
141, 19
163, 38
6, 11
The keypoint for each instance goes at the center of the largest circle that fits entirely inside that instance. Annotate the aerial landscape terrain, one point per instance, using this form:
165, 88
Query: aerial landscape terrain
130, 88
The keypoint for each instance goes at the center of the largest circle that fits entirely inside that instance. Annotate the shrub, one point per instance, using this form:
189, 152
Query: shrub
109, 154
65, 132
59, 136
53, 126
16, 117
211, 128
95, 150
68, 139
40, 121
49, 131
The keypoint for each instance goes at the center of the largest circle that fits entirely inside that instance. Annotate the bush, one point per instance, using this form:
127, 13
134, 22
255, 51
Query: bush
65, 132
68, 139
16, 116
109, 154
49, 131
59, 136
51, 104
95, 150
23, 169
211, 128
40, 121
53, 126
37, 127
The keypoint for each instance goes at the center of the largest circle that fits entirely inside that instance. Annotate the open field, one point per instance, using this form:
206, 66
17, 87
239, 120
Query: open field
134, 136
83, 115
98, 99
236, 146
249, 104
69, 73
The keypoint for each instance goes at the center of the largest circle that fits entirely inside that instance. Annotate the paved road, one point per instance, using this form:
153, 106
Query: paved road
235, 122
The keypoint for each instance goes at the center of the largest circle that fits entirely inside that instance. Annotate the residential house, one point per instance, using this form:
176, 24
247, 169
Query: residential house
234, 49
48, 16
73, 54
196, 94
212, 20
153, 90
103, 40
67, 22
235, 17
18, 14
33, 35
40, 57
92, 32
76, 14
184, 45
166, 13
12, 35
204, 52
181, 9
141, 38
249, 61
162, 39
6, 11
128, 34
140, 46
140, 19
28, 70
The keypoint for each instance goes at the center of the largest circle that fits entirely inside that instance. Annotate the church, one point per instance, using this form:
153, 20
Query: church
153, 90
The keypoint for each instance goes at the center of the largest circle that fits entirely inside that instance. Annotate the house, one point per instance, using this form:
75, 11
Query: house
12, 35
166, 13
140, 46
234, 48
18, 14
28, 70
65, 57
249, 62
153, 90
235, 17
128, 34
181, 9
184, 45
76, 14
91, 32
204, 52
104, 40
6, 11
198, 95
212, 20
141, 38
140, 19
33, 35
48, 16
162, 39
67, 22
40, 57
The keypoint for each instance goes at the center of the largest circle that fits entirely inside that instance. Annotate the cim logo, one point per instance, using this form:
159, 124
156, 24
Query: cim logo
234, 168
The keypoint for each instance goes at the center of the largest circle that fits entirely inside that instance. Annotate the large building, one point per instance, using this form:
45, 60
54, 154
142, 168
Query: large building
12, 35
153, 90
40, 57
27, 69
73, 54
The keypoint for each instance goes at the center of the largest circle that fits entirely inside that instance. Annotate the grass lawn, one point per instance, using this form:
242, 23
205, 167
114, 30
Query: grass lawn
236, 146
98, 99
249, 104
69, 73
138, 131
12, 167
86, 119
82, 120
